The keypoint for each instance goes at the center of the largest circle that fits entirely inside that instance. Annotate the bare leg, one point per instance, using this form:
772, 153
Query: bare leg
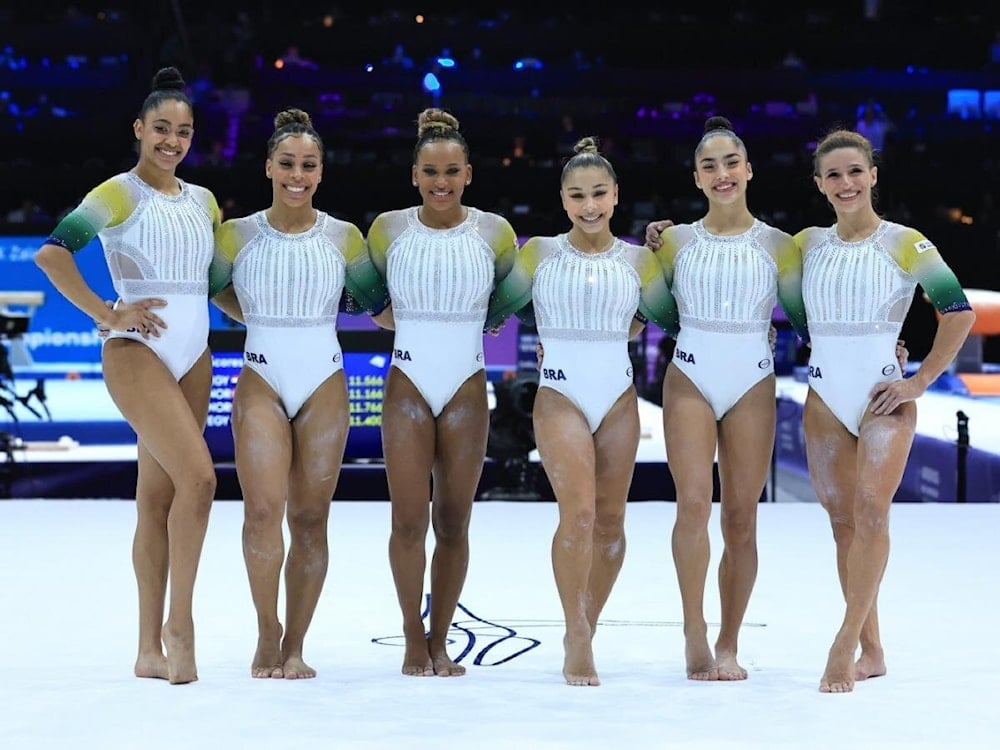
616, 443
263, 458
408, 443
566, 447
868, 490
690, 432
150, 559
462, 430
590, 475
169, 426
461, 447
319, 436
746, 440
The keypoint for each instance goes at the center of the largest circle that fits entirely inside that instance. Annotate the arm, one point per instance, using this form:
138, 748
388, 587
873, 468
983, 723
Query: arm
365, 287
918, 255
107, 205
58, 265
952, 331
377, 245
951, 334
788, 258
227, 301
385, 319
656, 273
228, 244
513, 293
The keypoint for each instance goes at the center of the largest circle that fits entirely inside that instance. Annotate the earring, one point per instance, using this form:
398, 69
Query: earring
468, 182
414, 183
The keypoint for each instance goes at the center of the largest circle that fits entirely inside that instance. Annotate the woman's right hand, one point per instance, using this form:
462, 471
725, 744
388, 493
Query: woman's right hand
133, 316
653, 230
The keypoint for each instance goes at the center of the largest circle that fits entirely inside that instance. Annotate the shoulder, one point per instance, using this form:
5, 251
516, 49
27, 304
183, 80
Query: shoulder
540, 245
201, 192
390, 217
633, 251
493, 224
776, 241
773, 234
387, 226
910, 247
902, 237
677, 235
342, 233
641, 258
233, 234
809, 237
119, 184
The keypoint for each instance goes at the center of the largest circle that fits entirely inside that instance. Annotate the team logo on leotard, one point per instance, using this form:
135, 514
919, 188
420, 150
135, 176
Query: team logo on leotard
259, 358
815, 372
402, 354
479, 357
629, 371
549, 373
889, 369
684, 356
336, 357
764, 364
923, 246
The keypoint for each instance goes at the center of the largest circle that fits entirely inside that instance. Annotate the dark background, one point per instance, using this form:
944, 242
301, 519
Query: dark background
73, 76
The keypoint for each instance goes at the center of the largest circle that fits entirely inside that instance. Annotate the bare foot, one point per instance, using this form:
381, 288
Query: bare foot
578, 665
870, 664
296, 669
153, 664
728, 669
179, 642
700, 661
444, 666
839, 674
267, 660
417, 660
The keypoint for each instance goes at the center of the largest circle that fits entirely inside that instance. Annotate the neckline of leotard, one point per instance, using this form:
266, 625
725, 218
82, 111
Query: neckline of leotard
699, 228
570, 247
150, 190
875, 235
269, 229
470, 218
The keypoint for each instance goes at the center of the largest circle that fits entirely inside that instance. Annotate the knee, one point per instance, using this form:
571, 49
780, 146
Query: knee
843, 529
260, 514
871, 514
200, 483
609, 524
739, 528
451, 527
308, 522
409, 529
693, 516
578, 524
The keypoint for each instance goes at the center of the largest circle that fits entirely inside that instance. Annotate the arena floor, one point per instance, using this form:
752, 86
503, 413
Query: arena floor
69, 629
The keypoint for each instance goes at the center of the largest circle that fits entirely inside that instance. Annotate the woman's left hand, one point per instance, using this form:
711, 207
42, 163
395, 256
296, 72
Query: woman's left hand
885, 397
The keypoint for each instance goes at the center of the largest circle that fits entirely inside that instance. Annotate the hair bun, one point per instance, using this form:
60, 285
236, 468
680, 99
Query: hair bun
167, 79
288, 116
